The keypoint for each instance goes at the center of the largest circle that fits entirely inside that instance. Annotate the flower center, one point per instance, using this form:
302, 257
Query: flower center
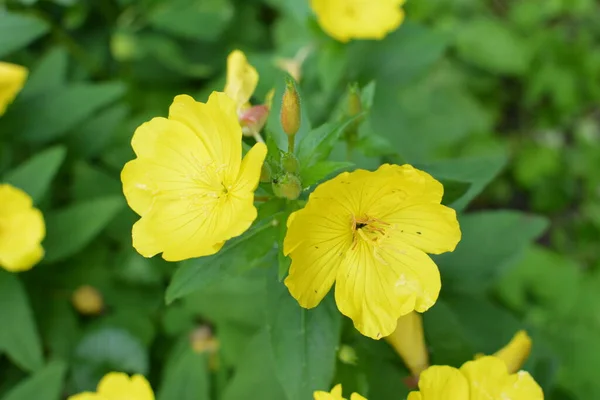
368, 229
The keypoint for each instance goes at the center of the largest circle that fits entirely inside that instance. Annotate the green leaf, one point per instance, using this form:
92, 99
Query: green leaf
318, 143
195, 20
491, 240
103, 351
59, 111
72, 228
18, 30
491, 45
19, 338
49, 74
255, 373
478, 171
35, 175
185, 376
94, 136
453, 191
246, 250
46, 384
321, 170
303, 341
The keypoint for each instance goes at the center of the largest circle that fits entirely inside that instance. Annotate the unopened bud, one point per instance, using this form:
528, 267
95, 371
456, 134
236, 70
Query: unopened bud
354, 107
287, 186
87, 300
290, 163
409, 342
347, 355
516, 352
265, 173
253, 119
203, 341
290, 110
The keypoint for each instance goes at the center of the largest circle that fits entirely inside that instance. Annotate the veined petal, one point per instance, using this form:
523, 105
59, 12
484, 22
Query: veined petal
242, 78
378, 284
12, 79
250, 169
442, 383
215, 123
432, 228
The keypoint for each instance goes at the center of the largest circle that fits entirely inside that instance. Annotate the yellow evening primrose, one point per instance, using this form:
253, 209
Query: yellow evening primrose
189, 183
22, 230
409, 342
242, 79
336, 394
12, 79
358, 19
370, 232
119, 386
483, 379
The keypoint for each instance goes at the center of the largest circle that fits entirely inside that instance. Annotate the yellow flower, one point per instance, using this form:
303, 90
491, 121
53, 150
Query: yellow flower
22, 229
482, 379
87, 300
242, 79
409, 342
12, 79
358, 19
516, 352
369, 232
336, 394
119, 386
188, 182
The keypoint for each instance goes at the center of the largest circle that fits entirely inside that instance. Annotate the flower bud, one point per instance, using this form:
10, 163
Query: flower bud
290, 110
253, 119
287, 186
354, 107
516, 352
87, 300
347, 355
409, 342
290, 163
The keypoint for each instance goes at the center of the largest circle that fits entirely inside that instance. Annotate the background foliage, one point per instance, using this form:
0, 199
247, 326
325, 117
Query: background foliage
498, 99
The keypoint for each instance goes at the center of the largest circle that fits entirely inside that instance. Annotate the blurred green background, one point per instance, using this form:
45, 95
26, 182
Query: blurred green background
499, 99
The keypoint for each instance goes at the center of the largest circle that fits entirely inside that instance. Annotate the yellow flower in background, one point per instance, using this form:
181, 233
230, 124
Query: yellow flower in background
483, 379
242, 79
22, 230
515, 353
369, 232
409, 342
358, 19
12, 79
119, 386
189, 183
336, 394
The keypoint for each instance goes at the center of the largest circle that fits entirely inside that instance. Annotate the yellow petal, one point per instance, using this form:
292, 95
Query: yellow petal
117, 386
357, 19
356, 396
409, 342
250, 169
12, 79
414, 396
22, 229
86, 396
335, 394
515, 353
242, 78
442, 383
377, 285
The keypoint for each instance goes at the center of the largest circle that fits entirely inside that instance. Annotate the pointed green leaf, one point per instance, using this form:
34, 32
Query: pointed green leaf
46, 384
35, 175
185, 376
18, 30
321, 170
19, 338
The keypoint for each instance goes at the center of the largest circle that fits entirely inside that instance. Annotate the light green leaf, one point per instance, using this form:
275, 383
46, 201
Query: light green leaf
19, 338
35, 175
59, 111
244, 251
72, 228
46, 384
185, 376
18, 30
303, 341
478, 171
321, 170
104, 351
491, 240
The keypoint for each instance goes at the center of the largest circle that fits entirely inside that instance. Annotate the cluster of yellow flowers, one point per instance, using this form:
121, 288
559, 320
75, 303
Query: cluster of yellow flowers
369, 232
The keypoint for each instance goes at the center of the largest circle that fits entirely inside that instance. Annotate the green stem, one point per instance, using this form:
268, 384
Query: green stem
291, 140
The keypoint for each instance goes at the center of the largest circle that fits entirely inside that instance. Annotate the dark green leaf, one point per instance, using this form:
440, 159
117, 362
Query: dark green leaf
46, 384
35, 175
18, 30
321, 170
49, 74
453, 191
18, 334
185, 376
72, 228
303, 341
